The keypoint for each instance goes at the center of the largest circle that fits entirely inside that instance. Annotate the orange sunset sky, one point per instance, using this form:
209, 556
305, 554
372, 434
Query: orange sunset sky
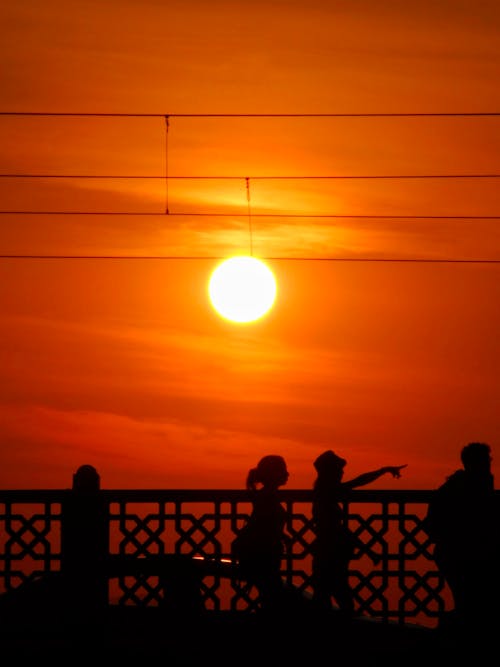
123, 363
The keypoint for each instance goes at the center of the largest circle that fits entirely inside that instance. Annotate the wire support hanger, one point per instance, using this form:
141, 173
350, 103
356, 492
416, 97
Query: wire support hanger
249, 207
167, 126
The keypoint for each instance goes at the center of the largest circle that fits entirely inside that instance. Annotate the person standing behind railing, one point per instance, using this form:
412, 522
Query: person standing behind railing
335, 545
259, 546
463, 522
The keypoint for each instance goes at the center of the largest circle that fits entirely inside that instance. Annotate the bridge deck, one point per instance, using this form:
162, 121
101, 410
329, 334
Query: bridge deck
227, 639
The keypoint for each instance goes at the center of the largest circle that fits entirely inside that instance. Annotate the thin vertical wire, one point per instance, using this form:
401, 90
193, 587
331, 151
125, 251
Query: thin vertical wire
247, 181
167, 125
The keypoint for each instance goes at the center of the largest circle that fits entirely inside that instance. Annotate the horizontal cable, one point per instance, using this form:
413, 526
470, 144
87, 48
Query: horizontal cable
437, 114
171, 214
253, 178
416, 260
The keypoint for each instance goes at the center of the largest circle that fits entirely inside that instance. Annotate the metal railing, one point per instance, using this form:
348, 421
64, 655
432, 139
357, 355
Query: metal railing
393, 576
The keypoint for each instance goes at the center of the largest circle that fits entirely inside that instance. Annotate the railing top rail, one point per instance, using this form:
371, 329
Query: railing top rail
208, 495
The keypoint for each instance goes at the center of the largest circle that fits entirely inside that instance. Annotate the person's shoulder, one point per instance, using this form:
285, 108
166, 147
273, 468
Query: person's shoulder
452, 488
453, 481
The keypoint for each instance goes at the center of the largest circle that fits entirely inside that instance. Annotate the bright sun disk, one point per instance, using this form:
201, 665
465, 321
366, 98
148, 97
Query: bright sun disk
242, 289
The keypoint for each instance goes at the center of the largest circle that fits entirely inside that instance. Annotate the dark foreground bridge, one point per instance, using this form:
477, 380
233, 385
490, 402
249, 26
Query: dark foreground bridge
131, 600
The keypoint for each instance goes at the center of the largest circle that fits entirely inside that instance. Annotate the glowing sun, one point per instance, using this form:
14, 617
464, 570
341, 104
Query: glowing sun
242, 289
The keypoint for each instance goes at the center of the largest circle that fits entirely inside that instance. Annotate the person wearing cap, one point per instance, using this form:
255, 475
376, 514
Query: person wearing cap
334, 544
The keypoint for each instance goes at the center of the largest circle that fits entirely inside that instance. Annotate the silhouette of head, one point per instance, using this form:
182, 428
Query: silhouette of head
271, 471
86, 478
329, 463
476, 457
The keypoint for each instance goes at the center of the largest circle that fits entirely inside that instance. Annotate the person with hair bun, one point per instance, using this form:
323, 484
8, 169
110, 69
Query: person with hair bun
259, 546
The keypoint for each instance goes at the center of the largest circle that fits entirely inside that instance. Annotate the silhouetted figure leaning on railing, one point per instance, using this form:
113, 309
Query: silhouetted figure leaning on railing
463, 521
335, 544
85, 542
86, 561
260, 545
80, 589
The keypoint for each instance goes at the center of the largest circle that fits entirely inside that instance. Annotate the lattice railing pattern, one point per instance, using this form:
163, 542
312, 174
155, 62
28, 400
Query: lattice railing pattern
394, 576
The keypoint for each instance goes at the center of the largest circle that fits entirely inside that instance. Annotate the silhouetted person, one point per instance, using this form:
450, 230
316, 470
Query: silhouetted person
259, 547
87, 564
335, 545
79, 588
463, 522
85, 542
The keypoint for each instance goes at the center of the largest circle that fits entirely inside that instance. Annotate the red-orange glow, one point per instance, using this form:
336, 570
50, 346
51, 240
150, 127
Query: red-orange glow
124, 363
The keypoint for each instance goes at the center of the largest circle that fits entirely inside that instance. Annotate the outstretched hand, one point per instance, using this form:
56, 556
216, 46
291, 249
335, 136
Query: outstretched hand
396, 470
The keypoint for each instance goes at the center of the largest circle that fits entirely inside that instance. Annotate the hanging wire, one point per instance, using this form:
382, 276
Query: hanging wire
247, 182
167, 125
167, 177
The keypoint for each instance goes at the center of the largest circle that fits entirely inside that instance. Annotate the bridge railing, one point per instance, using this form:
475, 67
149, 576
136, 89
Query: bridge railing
393, 576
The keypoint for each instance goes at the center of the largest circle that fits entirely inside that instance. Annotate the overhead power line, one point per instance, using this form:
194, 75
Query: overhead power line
410, 260
166, 177
431, 114
171, 214
283, 177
